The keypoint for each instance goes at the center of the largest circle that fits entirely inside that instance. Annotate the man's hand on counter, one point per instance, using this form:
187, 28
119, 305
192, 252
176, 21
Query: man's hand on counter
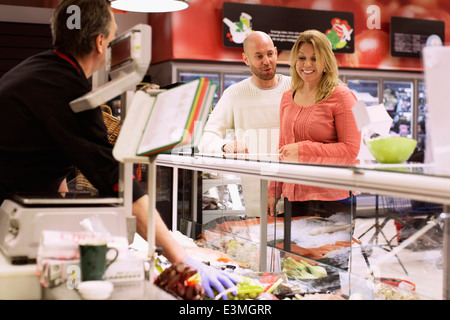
235, 147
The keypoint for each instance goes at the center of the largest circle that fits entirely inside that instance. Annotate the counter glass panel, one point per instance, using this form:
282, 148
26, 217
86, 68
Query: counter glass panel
378, 246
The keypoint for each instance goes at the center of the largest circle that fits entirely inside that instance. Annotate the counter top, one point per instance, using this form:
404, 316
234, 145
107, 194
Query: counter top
23, 284
124, 290
415, 181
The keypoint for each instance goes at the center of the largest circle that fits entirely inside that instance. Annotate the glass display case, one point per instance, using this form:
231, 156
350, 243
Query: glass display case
224, 74
422, 116
403, 95
189, 76
230, 79
397, 99
365, 90
393, 248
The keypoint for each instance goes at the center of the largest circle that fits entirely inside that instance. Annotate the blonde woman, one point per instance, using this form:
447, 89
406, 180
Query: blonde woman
316, 118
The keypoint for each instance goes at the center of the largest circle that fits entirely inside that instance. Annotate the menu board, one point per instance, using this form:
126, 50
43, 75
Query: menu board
177, 117
284, 25
409, 36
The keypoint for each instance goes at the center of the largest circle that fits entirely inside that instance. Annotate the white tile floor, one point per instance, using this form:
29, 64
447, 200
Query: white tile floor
424, 268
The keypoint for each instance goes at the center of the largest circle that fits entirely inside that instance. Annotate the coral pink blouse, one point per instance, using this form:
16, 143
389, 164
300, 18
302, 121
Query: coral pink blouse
325, 129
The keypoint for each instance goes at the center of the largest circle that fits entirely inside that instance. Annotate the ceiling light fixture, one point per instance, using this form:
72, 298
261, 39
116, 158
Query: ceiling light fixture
150, 5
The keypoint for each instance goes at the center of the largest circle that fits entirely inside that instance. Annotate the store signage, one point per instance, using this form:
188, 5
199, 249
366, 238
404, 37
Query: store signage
409, 36
285, 25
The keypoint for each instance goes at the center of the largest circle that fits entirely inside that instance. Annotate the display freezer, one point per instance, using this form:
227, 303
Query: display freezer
422, 116
397, 99
190, 76
402, 244
230, 79
169, 72
403, 95
365, 90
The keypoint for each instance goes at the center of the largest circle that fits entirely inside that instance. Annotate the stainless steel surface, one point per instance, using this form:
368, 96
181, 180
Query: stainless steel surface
407, 180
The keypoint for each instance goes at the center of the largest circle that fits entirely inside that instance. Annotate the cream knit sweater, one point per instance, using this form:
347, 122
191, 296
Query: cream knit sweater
246, 113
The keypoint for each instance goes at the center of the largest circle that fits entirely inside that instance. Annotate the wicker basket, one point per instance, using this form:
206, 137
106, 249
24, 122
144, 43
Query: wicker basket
112, 124
113, 127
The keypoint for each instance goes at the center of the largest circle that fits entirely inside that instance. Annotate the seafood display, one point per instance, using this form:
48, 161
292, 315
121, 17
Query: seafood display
311, 237
312, 268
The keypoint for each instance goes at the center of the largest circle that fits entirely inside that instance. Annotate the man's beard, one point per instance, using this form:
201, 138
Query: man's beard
264, 75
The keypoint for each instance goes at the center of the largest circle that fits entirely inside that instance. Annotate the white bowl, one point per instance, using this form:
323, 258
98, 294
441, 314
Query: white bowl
95, 290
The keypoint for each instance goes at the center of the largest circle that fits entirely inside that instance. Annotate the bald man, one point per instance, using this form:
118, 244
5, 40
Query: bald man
246, 118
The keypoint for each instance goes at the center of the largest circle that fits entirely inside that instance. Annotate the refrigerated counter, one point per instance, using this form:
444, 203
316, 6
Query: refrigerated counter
375, 250
402, 93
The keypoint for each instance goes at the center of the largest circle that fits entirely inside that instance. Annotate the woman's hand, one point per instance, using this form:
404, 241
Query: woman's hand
289, 152
271, 203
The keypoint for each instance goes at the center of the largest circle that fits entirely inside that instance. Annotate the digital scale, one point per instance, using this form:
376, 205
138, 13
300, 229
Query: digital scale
25, 216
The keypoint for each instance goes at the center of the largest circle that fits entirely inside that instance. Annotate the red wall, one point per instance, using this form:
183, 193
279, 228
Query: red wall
196, 33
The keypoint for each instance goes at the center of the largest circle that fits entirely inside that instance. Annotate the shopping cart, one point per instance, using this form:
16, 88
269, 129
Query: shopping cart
396, 209
412, 216
408, 216
392, 208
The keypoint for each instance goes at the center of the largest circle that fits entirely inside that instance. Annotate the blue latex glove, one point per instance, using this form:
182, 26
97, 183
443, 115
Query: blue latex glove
213, 278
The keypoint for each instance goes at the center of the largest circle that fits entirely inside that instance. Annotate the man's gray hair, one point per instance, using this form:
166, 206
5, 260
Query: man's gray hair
94, 18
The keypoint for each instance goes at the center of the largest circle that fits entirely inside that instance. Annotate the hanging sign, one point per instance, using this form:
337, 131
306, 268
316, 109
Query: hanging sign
409, 36
285, 25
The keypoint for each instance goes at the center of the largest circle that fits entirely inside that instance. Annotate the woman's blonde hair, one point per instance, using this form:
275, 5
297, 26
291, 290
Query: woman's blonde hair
324, 55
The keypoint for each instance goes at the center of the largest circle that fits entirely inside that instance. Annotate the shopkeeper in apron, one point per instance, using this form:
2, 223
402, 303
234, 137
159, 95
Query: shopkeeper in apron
42, 139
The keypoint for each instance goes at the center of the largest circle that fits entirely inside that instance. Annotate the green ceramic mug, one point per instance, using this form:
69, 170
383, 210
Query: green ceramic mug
94, 260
